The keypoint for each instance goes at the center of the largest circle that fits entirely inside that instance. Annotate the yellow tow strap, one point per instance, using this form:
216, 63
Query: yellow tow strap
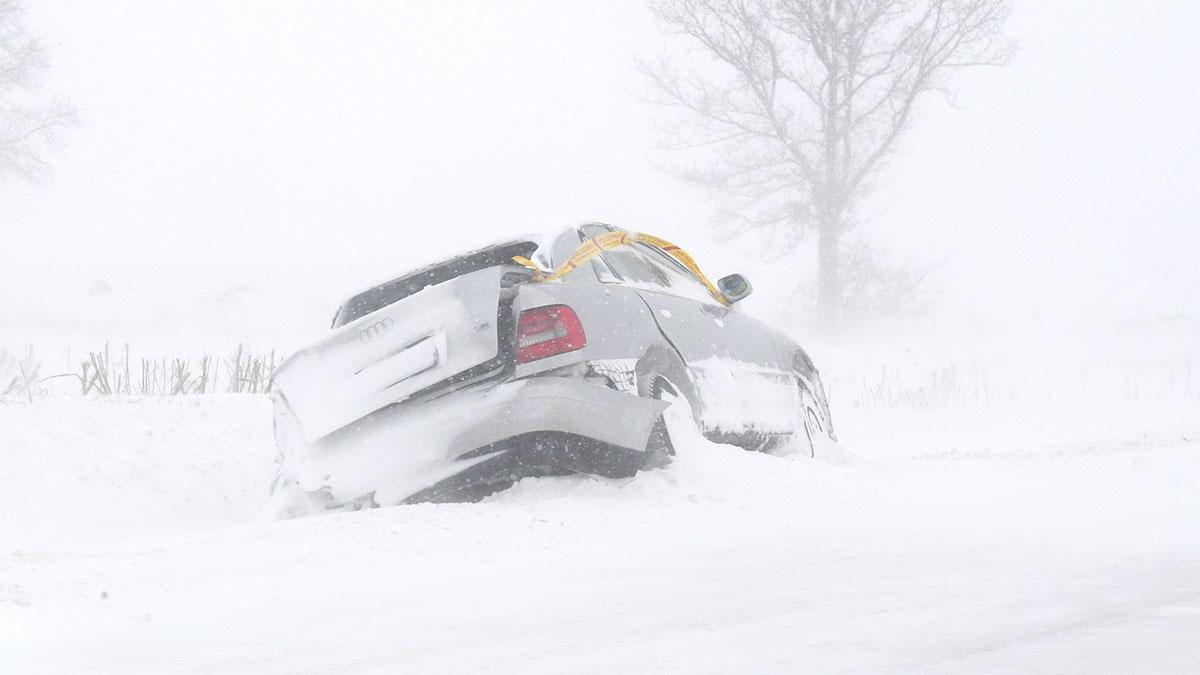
610, 240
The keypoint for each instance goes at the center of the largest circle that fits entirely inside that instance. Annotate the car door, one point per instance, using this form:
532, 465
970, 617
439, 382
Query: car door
738, 365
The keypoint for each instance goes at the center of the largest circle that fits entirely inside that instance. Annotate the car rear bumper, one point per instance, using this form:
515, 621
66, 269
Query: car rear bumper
401, 451
563, 404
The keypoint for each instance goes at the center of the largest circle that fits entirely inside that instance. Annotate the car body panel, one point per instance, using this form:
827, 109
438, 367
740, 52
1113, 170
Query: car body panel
618, 324
401, 449
737, 367
394, 352
726, 353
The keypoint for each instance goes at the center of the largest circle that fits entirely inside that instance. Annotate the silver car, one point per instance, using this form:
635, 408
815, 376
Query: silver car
455, 380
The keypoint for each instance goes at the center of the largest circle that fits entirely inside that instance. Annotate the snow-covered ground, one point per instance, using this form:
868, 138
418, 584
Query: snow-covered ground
1012, 537
75, 472
1021, 497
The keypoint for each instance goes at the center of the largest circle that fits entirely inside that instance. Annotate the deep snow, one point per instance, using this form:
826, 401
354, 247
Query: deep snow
937, 549
1023, 497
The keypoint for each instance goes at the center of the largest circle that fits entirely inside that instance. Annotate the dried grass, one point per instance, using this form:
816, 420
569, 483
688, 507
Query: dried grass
104, 373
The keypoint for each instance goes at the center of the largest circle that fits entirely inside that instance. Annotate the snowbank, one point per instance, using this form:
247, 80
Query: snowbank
79, 471
981, 555
1013, 503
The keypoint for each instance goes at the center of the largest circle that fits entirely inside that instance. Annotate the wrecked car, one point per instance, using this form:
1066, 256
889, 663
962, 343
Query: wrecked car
525, 359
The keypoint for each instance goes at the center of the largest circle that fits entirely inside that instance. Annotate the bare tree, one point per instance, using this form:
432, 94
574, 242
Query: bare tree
789, 108
30, 123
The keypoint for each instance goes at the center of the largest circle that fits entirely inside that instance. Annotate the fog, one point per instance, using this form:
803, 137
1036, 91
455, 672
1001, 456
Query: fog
996, 475
321, 137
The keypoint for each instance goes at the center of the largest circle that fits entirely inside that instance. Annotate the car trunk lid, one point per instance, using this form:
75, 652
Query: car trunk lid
427, 339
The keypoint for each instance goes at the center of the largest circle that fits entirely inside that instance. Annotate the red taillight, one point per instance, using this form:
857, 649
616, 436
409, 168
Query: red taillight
547, 331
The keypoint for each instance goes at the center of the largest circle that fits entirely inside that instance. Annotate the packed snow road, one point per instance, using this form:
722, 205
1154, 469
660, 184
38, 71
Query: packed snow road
1067, 557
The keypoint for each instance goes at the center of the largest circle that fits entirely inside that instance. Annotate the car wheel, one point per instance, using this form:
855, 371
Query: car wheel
814, 428
659, 448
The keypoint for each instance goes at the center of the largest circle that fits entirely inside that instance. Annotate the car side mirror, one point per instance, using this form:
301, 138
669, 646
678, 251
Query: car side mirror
734, 288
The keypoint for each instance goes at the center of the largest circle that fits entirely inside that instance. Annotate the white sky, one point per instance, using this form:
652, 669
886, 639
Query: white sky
349, 133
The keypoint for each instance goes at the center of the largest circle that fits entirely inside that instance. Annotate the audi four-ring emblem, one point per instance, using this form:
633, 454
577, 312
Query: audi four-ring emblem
376, 329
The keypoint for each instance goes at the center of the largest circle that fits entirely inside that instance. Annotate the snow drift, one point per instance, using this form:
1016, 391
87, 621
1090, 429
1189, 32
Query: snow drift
961, 553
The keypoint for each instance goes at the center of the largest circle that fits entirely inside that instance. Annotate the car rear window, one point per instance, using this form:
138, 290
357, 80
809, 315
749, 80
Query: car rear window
393, 291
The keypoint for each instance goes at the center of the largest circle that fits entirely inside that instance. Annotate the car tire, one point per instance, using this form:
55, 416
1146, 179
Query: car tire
811, 421
659, 447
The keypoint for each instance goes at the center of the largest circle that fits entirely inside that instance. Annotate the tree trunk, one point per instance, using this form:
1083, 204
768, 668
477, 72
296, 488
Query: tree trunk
829, 282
